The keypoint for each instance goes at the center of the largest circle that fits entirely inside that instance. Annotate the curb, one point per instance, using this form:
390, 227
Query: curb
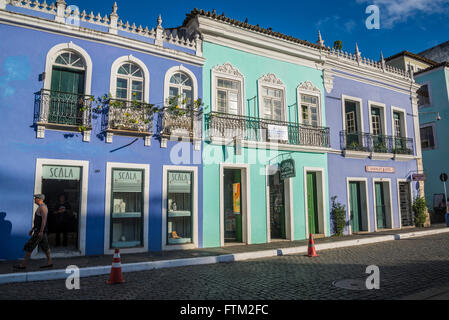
228, 258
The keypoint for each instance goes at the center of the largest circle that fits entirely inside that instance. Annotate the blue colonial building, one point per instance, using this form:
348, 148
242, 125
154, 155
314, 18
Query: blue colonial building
84, 102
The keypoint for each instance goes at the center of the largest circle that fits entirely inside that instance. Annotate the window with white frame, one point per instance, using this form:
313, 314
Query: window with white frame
423, 96
350, 122
309, 110
376, 121
428, 137
398, 124
130, 82
228, 94
181, 87
273, 103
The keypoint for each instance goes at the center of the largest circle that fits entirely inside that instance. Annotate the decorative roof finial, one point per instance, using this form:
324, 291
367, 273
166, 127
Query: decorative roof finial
357, 51
159, 21
320, 39
114, 8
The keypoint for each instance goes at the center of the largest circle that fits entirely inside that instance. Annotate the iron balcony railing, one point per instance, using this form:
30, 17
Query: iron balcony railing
181, 123
230, 126
63, 108
130, 116
366, 142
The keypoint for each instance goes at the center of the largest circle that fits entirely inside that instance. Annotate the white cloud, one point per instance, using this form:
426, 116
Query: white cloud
398, 11
338, 23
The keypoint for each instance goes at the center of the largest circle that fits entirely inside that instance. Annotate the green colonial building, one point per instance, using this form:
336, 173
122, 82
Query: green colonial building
265, 175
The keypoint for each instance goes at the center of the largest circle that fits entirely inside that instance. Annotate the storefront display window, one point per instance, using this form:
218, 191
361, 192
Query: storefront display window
179, 205
127, 208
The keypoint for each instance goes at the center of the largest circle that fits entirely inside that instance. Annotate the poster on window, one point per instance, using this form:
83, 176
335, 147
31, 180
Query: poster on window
236, 197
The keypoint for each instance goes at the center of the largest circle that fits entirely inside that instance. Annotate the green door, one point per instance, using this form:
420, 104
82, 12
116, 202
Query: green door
312, 205
380, 206
67, 88
356, 206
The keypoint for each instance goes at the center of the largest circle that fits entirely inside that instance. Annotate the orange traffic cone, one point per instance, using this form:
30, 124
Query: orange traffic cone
116, 270
312, 251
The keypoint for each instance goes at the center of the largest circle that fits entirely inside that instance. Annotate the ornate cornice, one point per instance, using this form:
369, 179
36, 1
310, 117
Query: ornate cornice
271, 79
228, 69
308, 86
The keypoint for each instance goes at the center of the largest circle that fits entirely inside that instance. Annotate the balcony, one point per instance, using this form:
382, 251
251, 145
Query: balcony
129, 118
228, 127
358, 142
180, 124
62, 110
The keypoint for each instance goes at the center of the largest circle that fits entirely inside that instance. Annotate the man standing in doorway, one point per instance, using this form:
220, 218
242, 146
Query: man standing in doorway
38, 234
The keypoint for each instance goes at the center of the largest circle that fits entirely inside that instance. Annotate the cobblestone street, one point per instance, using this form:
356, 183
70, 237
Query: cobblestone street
406, 267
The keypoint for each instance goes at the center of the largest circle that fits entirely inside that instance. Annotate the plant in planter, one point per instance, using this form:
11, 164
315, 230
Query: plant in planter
380, 147
420, 209
338, 217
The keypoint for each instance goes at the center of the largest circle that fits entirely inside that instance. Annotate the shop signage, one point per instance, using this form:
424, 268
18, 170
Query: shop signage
380, 169
288, 169
279, 133
61, 173
419, 177
179, 182
127, 181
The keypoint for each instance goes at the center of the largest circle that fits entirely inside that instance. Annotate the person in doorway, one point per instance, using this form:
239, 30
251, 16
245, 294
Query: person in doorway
62, 219
38, 234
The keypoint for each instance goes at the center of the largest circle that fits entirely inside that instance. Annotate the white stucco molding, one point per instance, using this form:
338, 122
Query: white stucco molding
228, 71
114, 69
54, 52
272, 81
170, 72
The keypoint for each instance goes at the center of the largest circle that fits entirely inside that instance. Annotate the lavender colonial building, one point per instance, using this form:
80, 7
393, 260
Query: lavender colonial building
373, 115
113, 178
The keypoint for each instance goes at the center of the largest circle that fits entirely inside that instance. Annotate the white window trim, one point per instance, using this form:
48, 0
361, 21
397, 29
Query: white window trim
348, 212
289, 213
54, 52
107, 205
194, 245
398, 181
227, 71
383, 115
245, 198
322, 209
83, 193
271, 81
434, 131
307, 88
170, 72
114, 73
390, 202
360, 109
429, 87
404, 116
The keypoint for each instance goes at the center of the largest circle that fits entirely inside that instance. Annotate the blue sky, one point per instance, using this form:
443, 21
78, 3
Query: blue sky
412, 25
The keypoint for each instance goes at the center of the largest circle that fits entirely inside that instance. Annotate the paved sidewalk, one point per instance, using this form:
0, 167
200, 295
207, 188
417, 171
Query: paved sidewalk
96, 265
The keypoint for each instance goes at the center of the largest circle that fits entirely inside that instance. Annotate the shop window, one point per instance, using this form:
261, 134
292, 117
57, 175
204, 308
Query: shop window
127, 208
179, 205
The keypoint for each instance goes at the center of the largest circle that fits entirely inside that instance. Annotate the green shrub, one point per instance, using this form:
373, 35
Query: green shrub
420, 208
338, 217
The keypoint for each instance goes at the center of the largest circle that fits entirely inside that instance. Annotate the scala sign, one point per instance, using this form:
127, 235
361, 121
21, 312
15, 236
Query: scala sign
61, 173
287, 169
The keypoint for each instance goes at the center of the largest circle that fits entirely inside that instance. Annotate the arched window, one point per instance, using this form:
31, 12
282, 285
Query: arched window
130, 82
68, 73
181, 86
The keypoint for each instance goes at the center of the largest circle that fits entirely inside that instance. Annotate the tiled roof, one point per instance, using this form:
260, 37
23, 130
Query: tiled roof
443, 64
213, 15
412, 55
